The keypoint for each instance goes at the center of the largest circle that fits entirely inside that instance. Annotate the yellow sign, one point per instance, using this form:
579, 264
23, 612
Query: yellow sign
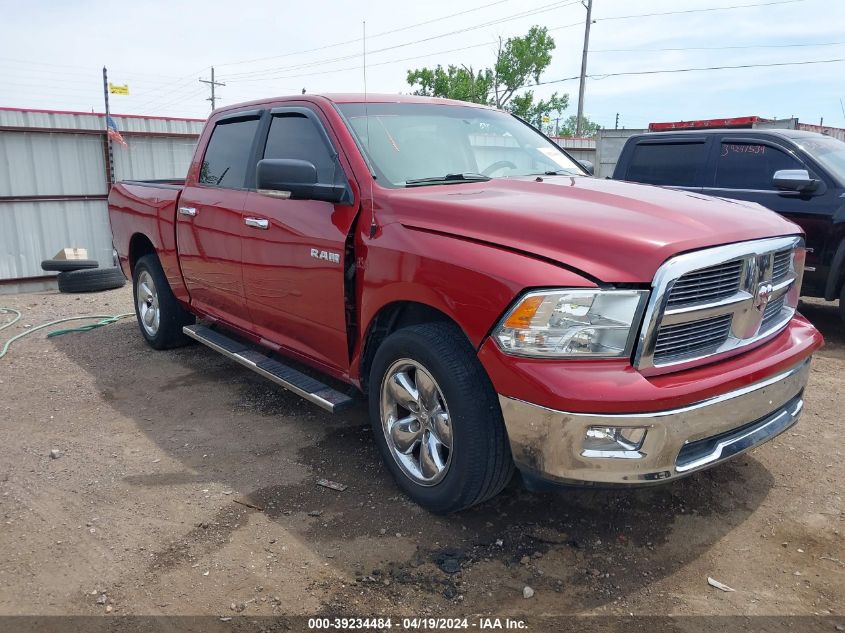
546, 119
118, 90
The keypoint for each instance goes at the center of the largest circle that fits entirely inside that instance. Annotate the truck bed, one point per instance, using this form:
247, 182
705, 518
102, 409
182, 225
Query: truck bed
147, 208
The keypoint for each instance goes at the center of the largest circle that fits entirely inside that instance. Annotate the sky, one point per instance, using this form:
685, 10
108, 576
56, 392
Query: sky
52, 53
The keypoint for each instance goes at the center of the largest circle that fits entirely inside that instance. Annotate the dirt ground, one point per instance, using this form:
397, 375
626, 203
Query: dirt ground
187, 485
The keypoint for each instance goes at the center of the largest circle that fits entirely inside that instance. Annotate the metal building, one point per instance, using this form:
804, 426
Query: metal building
54, 182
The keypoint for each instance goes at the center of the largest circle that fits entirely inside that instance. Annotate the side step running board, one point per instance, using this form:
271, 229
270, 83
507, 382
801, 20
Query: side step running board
292, 379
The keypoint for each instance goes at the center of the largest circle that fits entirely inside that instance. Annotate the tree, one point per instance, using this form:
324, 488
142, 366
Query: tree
520, 62
570, 125
461, 83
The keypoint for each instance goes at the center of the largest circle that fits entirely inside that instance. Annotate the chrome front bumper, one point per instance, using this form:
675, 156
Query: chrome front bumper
550, 444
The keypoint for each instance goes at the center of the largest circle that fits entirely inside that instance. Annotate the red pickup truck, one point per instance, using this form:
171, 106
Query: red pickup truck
496, 305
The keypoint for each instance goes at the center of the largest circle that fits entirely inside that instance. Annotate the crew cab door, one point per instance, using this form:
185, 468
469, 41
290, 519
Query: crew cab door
743, 168
294, 251
209, 218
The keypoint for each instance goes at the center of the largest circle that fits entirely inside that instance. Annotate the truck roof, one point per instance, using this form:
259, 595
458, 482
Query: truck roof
355, 97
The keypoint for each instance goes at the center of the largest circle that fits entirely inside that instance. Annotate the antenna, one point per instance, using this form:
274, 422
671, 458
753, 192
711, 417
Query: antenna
367, 125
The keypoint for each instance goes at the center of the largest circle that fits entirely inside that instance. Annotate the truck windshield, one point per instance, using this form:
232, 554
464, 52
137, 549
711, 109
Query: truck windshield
411, 144
828, 151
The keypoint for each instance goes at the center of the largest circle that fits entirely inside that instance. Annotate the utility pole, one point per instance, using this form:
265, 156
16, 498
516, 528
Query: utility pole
212, 83
588, 4
109, 152
616, 126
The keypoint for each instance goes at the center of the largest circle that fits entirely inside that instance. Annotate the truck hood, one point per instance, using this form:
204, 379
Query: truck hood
613, 231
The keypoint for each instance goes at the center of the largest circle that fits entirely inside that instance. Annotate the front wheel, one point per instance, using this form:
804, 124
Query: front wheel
437, 420
160, 316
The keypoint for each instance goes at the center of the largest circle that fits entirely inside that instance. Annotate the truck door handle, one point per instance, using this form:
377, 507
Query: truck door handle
191, 211
257, 223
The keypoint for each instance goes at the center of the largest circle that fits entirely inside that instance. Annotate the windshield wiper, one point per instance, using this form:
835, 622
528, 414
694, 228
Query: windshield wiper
561, 172
447, 179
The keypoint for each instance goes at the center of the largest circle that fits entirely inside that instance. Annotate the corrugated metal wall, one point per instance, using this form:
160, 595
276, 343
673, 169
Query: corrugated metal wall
54, 181
609, 144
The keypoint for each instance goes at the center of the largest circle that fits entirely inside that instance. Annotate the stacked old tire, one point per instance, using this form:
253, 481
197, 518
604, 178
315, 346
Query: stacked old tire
84, 275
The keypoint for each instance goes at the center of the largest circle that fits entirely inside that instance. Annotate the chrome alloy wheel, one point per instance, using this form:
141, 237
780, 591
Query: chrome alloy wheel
416, 422
146, 298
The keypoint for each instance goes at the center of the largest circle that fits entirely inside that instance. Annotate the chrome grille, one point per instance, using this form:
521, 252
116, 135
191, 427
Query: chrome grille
717, 301
692, 338
708, 284
780, 267
772, 312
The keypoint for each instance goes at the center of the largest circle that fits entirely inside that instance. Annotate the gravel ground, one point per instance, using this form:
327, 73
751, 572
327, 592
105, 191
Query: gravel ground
185, 484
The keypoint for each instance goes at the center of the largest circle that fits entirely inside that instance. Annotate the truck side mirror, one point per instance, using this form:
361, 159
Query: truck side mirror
295, 179
587, 164
794, 180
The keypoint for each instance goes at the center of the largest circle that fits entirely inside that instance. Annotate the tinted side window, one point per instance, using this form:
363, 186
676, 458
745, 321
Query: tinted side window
294, 136
674, 164
750, 166
227, 155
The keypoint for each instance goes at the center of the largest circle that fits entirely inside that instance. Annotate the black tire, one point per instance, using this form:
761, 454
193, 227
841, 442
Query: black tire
172, 316
67, 265
91, 280
481, 463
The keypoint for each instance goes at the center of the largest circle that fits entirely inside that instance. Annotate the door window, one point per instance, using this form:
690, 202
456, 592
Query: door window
674, 164
295, 136
750, 165
227, 156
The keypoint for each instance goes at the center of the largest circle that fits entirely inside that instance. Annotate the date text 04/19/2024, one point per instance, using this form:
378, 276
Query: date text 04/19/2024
419, 624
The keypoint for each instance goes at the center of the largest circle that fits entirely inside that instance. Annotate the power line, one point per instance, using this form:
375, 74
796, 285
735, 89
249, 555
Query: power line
528, 13
687, 70
85, 74
375, 35
702, 10
713, 48
351, 68
385, 63
257, 74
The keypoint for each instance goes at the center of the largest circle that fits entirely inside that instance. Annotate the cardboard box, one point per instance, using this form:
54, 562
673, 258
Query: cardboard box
72, 253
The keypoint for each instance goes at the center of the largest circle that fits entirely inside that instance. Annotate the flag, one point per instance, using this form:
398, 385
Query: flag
113, 132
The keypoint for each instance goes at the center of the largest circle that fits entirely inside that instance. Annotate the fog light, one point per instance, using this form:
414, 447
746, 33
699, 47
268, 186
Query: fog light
614, 441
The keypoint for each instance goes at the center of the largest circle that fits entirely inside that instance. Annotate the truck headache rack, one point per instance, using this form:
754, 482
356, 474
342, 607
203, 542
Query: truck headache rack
292, 379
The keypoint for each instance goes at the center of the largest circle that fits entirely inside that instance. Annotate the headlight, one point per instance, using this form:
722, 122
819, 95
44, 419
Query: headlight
572, 323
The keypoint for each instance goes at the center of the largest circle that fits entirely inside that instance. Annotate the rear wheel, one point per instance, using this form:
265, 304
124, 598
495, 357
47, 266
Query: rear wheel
160, 317
437, 420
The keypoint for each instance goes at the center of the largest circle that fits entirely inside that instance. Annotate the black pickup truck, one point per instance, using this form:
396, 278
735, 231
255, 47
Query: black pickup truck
800, 175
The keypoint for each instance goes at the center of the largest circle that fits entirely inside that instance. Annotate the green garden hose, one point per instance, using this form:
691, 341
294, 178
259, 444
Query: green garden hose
105, 319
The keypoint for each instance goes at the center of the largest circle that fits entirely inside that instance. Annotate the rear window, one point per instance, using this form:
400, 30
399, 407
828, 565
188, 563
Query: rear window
675, 164
227, 155
750, 165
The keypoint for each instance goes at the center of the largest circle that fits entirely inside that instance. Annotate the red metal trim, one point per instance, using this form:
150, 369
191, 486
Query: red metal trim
54, 198
92, 131
734, 122
101, 114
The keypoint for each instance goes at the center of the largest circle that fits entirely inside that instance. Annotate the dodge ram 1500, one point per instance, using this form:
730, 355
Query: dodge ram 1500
498, 307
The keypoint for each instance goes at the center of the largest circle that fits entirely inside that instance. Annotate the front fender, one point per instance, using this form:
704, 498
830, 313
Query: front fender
472, 283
